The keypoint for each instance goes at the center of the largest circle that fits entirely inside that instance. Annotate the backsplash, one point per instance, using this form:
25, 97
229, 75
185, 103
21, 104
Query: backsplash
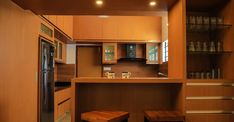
137, 69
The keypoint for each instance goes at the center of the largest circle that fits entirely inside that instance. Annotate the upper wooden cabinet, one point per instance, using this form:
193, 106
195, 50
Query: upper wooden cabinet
87, 27
64, 23
118, 28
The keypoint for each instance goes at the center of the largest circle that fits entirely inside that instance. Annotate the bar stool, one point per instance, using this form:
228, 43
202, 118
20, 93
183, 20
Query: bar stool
163, 116
105, 116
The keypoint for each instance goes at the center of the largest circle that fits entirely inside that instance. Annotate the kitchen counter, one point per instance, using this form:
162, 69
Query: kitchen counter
129, 80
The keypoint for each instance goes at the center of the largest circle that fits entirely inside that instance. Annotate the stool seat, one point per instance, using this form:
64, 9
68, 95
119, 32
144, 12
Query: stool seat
164, 116
105, 116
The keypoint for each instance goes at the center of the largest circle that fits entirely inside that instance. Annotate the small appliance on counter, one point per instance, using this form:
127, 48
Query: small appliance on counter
110, 75
126, 75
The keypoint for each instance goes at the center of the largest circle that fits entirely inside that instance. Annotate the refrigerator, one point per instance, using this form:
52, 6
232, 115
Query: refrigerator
46, 81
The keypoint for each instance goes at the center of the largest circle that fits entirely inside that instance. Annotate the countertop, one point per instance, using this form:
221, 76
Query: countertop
129, 80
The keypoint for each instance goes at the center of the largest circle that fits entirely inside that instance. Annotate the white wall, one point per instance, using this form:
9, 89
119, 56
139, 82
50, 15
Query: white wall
71, 54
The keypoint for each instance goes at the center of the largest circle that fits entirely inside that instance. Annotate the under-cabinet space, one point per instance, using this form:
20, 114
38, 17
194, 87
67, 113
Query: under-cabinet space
133, 98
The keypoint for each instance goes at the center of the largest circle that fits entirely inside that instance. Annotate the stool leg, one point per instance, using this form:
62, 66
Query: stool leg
126, 120
145, 119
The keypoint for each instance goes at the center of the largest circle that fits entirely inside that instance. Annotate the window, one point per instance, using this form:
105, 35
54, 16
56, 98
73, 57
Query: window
165, 51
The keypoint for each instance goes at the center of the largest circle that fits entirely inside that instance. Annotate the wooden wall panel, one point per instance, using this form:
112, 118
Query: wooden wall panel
226, 61
176, 40
177, 47
89, 62
19, 56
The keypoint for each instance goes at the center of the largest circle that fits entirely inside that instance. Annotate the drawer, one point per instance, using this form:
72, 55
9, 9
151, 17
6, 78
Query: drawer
227, 105
209, 90
64, 107
62, 95
209, 117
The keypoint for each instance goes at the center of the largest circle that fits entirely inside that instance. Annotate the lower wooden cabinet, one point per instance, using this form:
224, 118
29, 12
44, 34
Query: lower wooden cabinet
62, 105
209, 101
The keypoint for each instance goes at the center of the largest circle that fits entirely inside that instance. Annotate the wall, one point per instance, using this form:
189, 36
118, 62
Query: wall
176, 40
19, 31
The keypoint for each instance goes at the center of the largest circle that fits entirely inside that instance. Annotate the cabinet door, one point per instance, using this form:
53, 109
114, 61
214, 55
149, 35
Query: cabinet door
126, 29
110, 27
60, 22
53, 19
109, 53
60, 55
68, 25
152, 53
87, 27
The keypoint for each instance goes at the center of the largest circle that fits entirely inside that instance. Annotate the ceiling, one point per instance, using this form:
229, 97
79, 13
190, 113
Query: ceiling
205, 5
88, 7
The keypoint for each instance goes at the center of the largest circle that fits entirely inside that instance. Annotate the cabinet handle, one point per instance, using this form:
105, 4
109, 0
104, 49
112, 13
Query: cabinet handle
209, 112
210, 98
211, 84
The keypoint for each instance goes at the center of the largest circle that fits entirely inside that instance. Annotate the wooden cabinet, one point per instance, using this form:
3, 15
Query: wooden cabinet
110, 28
87, 27
46, 31
60, 22
152, 53
64, 23
53, 19
68, 25
62, 105
209, 100
109, 53
60, 51
121, 28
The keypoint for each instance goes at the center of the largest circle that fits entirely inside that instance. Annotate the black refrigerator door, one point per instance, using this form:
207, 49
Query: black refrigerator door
46, 82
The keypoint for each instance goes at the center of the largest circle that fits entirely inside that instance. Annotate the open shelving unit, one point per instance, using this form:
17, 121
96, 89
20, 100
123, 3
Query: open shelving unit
213, 31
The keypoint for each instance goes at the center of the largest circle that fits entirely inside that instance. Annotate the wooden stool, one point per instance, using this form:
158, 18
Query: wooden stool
105, 116
164, 116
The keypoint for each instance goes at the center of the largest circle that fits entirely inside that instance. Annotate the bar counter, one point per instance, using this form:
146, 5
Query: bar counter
129, 80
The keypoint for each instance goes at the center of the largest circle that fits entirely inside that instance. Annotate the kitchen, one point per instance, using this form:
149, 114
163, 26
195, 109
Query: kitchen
134, 57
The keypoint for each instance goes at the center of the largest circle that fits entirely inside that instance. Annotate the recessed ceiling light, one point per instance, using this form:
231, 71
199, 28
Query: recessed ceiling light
103, 16
99, 2
152, 3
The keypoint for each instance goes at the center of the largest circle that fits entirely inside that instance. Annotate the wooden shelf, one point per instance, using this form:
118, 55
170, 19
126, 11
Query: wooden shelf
207, 27
208, 53
209, 80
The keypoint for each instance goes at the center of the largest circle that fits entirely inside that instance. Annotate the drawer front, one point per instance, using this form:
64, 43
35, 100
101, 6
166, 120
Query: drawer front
209, 118
210, 91
209, 102
62, 95
227, 105
64, 107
